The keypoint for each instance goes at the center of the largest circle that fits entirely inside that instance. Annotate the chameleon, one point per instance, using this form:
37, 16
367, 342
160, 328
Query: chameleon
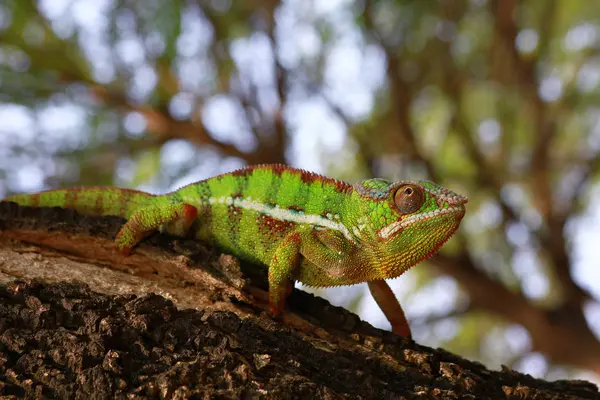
303, 226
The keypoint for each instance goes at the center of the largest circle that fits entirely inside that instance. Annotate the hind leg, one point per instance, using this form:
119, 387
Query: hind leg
176, 217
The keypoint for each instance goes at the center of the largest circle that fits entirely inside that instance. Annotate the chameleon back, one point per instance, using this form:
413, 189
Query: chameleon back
248, 212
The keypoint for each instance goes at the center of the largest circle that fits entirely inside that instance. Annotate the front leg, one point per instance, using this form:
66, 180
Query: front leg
286, 260
328, 251
340, 269
387, 301
283, 263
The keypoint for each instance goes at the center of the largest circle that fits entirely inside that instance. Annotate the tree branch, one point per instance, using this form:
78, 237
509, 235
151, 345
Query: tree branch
565, 337
400, 94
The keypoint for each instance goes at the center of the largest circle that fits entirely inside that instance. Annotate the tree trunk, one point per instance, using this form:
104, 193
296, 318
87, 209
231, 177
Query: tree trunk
178, 320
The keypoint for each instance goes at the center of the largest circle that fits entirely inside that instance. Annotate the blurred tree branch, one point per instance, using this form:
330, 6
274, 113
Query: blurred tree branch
561, 331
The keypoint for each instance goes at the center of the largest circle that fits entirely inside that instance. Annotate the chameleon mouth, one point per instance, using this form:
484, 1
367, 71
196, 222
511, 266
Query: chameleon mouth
390, 230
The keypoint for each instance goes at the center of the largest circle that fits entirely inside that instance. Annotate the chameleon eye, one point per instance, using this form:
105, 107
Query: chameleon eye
409, 198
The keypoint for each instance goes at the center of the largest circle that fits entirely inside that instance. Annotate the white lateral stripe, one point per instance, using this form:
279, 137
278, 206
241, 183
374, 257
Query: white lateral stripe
282, 214
396, 226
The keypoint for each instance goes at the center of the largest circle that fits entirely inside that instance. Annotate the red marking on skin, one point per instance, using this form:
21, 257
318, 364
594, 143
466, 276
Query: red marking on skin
126, 195
242, 171
132, 192
279, 169
295, 237
342, 186
272, 228
35, 198
235, 215
273, 306
276, 307
71, 198
134, 223
309, 177
125, 199
189, 212
99, 205
280, 289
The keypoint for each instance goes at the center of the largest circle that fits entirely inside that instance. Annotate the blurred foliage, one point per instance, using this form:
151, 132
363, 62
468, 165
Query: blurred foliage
494, 99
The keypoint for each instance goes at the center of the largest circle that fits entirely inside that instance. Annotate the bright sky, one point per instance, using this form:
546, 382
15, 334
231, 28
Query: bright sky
352, 74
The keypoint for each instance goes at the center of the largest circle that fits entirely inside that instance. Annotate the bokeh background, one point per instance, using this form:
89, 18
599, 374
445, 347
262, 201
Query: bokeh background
497, 100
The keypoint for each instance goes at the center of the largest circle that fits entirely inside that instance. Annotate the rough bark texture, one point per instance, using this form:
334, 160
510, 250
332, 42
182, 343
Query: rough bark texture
78, 320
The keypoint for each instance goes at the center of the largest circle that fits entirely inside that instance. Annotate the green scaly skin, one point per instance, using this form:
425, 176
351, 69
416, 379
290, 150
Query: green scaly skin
305, 227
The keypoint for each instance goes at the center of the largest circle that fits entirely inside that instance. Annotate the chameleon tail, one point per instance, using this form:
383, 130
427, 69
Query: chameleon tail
144, 212
95, 200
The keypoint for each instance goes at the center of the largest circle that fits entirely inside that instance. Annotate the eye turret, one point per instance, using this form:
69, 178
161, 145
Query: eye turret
409, 198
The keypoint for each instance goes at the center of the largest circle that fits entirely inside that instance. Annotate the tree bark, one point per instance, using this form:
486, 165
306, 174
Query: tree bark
179, 320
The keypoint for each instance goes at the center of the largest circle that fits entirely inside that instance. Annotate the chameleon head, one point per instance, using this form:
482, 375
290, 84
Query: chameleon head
406, 222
